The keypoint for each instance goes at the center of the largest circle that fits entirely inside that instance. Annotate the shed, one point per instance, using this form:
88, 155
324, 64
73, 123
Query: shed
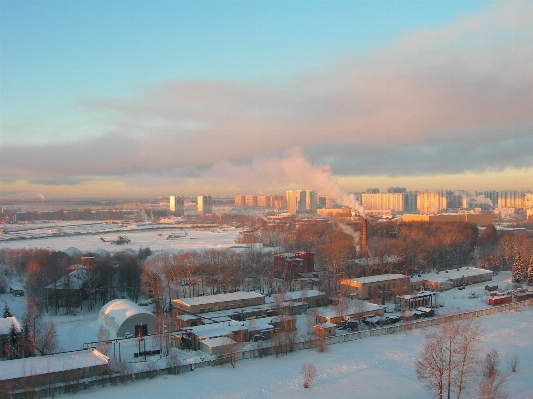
126, 317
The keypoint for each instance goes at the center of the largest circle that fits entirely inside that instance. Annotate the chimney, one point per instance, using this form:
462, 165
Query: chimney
363, 237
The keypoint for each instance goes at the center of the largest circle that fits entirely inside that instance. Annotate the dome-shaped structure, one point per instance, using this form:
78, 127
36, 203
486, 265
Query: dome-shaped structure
126, 317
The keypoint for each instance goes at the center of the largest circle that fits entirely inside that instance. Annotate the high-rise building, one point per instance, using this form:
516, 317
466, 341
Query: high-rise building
431, 202
510, 199
240, 200
492, 196
177, 205
383, 201
372, 190
527, 201
410, 201
265, 201
205, 205
250, 200
395, 190
301, 201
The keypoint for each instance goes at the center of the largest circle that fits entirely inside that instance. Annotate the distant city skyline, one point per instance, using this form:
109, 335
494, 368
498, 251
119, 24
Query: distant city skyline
152, 98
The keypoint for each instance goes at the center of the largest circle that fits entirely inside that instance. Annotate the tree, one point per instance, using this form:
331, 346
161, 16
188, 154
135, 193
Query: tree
12, 343
33, 324
309, 374
449, 359
530, 272
518, 269
102, 337
491, 384
7, 312
47, 342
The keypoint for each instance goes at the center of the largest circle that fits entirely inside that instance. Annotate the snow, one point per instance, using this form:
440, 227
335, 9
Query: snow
85, 237
119, 310
378, 278
452, 274
52, 363
221, 298
380, 366
6, 323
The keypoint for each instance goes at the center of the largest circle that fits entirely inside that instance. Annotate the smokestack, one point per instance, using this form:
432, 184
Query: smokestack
363, 237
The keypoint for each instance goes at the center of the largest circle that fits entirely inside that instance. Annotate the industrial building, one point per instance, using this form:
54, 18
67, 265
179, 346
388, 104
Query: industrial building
479, 219
374, 286
211, 303
125, 317
293, 263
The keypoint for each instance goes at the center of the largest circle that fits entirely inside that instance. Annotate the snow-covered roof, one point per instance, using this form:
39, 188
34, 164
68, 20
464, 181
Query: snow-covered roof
53, 363
218, 341
229, 297
102, 253
72, 281
5, 325
120, 310
420, 294
376, 261
216, 329
72, 252
16, 285
297, 295
451, 274
377, 279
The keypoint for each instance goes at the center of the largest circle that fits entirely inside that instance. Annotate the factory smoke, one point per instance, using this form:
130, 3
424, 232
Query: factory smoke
319, 178
291, 169
351, 232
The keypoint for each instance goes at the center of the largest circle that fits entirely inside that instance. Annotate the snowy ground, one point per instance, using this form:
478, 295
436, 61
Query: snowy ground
85, 236
369, 368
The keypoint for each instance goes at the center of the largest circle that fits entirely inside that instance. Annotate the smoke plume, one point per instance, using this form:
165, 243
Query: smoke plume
318, 178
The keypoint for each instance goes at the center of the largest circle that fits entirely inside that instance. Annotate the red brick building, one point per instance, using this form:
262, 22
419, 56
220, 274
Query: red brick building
291, 264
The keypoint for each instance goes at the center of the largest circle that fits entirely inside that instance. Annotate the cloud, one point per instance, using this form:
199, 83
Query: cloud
440, 101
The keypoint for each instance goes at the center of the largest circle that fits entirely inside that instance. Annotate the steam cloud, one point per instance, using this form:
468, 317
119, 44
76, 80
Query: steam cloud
292, 168
355, 234
319, 178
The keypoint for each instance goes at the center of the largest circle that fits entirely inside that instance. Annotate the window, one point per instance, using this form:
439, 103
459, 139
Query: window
202, 310
210, 309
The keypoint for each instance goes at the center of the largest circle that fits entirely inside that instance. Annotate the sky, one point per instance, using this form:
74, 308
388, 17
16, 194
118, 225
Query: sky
146, 98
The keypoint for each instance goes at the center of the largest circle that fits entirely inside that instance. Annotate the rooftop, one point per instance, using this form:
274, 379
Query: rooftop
377, 279
229, 297
445, 275
53, 363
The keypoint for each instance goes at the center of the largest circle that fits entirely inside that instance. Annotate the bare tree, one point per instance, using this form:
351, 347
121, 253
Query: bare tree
492, 383
173, 362
102, 337
449, 359
309, 374
47, 342
513, 362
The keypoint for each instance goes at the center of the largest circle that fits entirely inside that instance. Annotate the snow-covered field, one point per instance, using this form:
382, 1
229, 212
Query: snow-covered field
85, 236
379, 367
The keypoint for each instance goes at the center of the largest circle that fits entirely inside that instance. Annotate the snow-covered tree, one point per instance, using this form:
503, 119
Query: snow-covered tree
7, 312
518, 269
530, 273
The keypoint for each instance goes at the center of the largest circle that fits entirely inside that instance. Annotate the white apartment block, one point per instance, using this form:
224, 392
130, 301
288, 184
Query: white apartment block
431, 202
383, 201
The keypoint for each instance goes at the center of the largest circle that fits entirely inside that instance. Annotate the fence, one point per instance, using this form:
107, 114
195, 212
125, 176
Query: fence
115, 378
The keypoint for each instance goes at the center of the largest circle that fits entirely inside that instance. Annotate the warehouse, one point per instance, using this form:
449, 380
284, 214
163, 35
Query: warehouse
126, 318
